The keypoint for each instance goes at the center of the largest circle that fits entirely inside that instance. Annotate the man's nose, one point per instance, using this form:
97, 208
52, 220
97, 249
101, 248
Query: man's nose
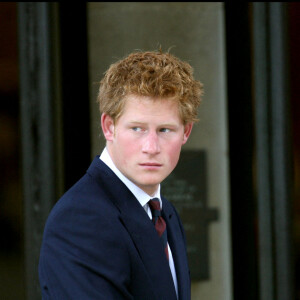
151, 143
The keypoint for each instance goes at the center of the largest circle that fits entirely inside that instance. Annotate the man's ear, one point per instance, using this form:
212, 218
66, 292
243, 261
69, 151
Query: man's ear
187, 131
108, 126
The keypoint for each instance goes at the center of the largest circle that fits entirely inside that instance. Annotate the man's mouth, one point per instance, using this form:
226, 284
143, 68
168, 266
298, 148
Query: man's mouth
150, 165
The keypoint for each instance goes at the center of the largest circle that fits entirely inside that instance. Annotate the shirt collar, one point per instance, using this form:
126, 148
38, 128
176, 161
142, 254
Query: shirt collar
141, 196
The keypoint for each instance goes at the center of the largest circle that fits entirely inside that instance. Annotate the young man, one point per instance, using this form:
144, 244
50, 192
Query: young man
104, 239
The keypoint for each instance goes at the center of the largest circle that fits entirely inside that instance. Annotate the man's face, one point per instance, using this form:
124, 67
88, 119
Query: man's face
146, 140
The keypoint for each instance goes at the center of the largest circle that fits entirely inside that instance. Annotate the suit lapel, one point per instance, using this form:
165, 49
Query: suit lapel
139, 227
177, 245
152, 255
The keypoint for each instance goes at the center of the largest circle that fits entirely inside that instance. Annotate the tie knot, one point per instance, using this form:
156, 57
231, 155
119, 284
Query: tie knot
154, 204
155, 208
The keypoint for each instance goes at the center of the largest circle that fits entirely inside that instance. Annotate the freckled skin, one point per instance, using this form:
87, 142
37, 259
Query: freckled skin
146, 141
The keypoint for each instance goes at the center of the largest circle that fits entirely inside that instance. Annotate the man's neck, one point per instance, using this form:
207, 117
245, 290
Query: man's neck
140, 194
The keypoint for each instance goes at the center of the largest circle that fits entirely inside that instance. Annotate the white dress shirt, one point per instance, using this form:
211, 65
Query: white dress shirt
143, 199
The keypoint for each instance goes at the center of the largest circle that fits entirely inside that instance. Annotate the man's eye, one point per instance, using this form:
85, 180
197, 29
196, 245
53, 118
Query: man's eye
165, 130
137, 129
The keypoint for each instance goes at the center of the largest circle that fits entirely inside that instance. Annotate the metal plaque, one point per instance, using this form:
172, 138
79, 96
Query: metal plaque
186, 188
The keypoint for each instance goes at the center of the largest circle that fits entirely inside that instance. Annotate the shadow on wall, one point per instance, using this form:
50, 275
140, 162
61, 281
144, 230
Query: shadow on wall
11, 221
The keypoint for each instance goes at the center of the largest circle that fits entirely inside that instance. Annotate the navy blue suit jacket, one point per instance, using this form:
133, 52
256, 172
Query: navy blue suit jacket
99, 243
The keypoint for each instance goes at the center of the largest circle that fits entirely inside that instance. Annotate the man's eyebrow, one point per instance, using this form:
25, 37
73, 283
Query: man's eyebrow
145, 123
137, 122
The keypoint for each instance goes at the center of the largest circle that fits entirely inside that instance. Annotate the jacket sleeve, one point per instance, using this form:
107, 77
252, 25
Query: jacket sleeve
83, 256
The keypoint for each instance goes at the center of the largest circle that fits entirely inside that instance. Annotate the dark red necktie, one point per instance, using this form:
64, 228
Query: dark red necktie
159, 223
